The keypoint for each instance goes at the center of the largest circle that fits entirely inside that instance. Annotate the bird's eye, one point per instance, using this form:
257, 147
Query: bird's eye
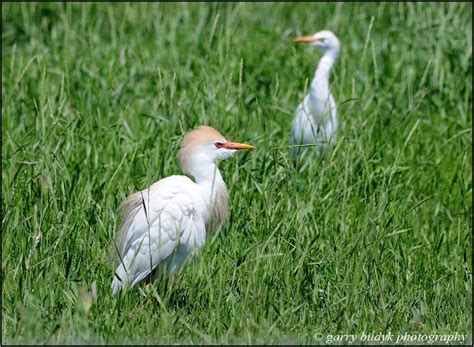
219, 144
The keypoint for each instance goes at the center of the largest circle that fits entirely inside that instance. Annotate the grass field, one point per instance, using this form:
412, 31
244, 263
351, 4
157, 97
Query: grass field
375, 238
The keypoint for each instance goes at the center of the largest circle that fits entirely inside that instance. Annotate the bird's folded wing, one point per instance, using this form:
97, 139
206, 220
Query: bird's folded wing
156, 231
142, 208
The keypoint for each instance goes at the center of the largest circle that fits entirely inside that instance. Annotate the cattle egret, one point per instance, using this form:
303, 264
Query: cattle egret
315, 118
165, 224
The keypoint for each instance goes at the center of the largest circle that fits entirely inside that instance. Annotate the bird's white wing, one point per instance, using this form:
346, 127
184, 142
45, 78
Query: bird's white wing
303, 129
165, 217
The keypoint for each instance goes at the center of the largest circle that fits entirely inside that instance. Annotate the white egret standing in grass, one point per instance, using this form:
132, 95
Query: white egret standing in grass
164, 224
316, 119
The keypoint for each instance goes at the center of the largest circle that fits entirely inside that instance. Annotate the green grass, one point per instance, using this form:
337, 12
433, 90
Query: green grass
376, 238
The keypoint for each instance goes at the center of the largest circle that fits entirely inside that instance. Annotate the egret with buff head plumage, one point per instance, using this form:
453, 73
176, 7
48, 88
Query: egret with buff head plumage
166, 224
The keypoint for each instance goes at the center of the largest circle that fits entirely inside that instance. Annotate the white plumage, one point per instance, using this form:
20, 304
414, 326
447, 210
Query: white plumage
316, 117
165, 224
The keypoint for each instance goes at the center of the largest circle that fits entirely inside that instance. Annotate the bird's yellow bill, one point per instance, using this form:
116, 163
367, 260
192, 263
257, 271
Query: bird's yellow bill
236, 145
306, 39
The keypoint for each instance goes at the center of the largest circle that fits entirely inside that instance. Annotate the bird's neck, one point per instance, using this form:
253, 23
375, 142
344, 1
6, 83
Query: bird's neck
321, 76
215, 194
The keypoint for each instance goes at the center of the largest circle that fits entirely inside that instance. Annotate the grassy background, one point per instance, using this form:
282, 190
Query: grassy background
376, 238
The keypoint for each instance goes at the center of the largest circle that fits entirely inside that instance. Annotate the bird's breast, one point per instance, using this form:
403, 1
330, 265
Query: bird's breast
216, 206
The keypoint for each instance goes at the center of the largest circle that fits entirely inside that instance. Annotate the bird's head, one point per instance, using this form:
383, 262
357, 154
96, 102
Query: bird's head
204, 146
324, 39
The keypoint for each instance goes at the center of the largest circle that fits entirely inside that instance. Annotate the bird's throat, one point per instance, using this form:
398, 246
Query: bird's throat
321, 76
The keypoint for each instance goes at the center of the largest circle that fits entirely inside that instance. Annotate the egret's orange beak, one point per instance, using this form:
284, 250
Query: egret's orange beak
236, 145
306, 39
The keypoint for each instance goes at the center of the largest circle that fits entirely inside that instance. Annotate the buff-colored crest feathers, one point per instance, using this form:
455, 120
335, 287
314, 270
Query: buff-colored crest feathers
201, 135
